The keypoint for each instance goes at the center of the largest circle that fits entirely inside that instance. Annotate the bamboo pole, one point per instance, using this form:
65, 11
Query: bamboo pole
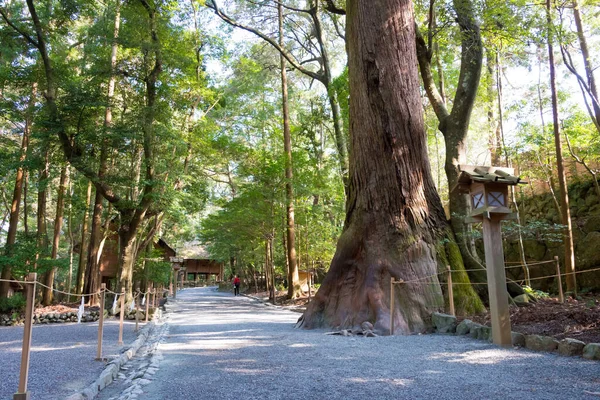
25, 352
137, 310
450, 291
147, 305
121, 317
101, 321
561, 295
392, 281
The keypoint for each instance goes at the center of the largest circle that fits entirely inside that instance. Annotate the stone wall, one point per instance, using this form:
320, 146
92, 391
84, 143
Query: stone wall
585, 212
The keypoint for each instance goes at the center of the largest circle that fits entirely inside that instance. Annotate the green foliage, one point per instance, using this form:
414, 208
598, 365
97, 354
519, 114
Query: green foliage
537, 294
16, 303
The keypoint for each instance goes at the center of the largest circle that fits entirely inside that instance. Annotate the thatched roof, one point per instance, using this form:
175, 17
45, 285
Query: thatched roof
193, 250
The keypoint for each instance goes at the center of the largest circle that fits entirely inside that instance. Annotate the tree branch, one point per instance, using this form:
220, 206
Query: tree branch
212, 4
18, 30
332, 8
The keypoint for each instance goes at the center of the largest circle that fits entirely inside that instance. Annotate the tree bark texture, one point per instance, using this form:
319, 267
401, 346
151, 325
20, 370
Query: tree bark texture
394, 214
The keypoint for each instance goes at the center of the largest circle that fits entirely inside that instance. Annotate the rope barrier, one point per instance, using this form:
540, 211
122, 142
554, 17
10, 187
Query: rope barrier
420, 279
528, 264
67, 293
10, 280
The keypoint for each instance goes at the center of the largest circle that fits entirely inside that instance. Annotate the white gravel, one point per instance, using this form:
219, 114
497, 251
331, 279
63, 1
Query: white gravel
62, 357
225, 347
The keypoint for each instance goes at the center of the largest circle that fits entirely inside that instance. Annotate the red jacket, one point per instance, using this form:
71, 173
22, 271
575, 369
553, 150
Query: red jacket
236, 281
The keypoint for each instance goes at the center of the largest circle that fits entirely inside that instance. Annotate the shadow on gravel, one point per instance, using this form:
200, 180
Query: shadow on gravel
231, 348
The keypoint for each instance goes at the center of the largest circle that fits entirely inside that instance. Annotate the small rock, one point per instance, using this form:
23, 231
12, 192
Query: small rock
444, 323
464, 327
540, 343
570, 347
143, 382
591, 351
366, 326
518, 339
474, 332
484, 333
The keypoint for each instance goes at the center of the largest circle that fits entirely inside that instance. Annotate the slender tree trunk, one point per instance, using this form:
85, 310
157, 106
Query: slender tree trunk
562, 179
293, 277
394, 216
42, 230
267, 269
18, 190
92, 271
587, 61
494, 140
71, 240
82, 247
25, 204
47, 293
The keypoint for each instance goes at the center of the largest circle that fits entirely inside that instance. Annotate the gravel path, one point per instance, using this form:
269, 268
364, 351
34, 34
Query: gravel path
62, 357
225, 347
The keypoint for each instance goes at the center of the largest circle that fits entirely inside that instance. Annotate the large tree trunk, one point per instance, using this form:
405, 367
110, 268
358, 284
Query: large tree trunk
82, 247
562, 179
18, 190
127, 250
394, 215
58, 221
293, 277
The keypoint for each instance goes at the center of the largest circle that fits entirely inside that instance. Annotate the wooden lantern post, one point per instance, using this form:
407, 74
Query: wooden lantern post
488, 189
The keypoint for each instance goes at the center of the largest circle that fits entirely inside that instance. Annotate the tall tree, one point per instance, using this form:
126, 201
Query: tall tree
454, 123
562, 179
394, 216
293, 278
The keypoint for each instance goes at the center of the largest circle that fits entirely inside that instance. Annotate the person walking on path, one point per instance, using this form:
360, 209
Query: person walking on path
236, 285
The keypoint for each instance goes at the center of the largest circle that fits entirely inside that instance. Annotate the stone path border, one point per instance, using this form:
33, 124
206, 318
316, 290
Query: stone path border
448, 324
111, 371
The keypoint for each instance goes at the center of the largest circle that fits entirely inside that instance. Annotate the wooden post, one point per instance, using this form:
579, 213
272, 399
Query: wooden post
137, 310
392, 281
175, 273
450, 291
24, 373
561, 295
101, 321
496, 276
147, 305
121, 317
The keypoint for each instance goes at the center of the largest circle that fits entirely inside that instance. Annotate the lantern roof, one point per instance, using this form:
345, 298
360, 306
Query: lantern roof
485, 174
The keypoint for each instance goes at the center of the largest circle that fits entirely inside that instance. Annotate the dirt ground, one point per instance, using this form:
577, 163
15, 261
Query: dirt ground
577, 319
